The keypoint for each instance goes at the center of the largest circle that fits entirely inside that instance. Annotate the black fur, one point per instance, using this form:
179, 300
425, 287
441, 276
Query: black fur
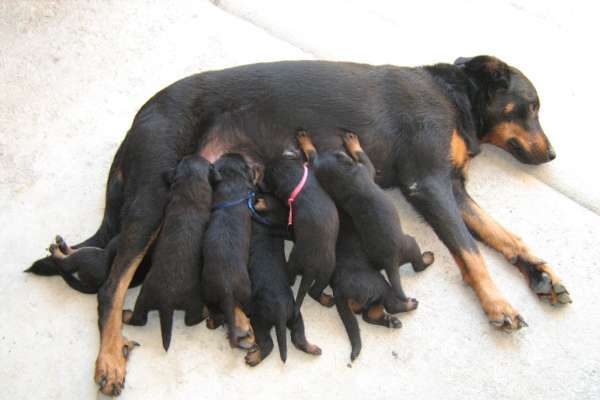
405, 116
273, 302
315, 225
225, 280
174, 279
349, 182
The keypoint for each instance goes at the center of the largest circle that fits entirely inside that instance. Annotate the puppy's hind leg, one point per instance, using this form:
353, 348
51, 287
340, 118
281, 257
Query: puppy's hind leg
264, 343
139, 315
195, 312
412, 253
376, 315
296, 326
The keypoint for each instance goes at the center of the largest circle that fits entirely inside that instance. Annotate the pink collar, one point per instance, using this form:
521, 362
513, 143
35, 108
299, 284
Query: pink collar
295, 194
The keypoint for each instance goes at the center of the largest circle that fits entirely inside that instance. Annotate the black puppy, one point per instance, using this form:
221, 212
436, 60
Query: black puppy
315, 223
174, 279
272, 298
91, 264
359, 287
225, 282
350, 182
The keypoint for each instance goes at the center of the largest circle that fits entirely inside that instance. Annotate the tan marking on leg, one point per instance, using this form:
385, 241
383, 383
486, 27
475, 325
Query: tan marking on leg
114, 348
475, 273
243, 330
376, 313
459, 154
305, 143
495, 236
352, 144
354, 306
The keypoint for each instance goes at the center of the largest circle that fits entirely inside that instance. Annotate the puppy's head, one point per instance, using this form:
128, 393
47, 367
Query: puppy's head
192, 166
234, 165
508, 107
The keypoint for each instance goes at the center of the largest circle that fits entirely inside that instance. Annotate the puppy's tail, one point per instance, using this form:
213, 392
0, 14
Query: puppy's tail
351, 325
228, 312
44, 266
281, 334
166, 326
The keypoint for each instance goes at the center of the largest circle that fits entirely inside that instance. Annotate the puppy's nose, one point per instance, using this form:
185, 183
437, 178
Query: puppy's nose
551, 153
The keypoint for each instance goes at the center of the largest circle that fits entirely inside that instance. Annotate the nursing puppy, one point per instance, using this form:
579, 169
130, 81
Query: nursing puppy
272, 298
358, 287
225, 282
315, 224
350, 182
174, 278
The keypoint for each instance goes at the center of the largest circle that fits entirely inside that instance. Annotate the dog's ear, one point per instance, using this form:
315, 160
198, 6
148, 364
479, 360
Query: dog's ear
169, 176
488, 71
213, 175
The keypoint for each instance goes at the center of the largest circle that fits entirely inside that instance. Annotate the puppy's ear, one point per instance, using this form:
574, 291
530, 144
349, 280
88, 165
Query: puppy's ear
488, 71
169, 176
213, 175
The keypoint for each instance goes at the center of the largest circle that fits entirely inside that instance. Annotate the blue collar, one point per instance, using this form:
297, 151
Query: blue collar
249, 199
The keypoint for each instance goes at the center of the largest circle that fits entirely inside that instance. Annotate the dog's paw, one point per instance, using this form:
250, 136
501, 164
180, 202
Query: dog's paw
253, 357
503, 316
548, 286
393, 322
110, 367
326, 300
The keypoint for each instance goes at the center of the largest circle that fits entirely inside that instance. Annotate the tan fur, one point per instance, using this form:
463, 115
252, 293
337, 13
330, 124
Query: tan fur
459, 154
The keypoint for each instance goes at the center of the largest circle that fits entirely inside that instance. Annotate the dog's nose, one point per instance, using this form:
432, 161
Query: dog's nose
551, 153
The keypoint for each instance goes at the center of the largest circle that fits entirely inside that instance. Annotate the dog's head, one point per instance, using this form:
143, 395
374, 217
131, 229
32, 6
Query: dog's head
192, 166
507, 105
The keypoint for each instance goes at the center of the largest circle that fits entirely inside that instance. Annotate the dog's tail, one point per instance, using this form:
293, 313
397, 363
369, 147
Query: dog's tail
281, 334
44, 266
351, 325
227, 307
166, 326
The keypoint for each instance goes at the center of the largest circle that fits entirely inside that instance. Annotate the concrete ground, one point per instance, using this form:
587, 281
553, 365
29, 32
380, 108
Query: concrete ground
73, 74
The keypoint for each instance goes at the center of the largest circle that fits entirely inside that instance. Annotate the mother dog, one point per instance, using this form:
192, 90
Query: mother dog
420, 127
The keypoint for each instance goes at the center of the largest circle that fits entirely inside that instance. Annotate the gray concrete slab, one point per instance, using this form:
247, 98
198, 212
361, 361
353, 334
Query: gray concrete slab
72, 76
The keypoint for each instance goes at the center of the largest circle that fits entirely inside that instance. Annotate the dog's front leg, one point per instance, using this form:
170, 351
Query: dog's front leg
432, 197
542, 279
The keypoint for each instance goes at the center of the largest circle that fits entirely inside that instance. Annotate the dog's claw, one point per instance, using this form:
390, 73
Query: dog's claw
102, 382
521, 322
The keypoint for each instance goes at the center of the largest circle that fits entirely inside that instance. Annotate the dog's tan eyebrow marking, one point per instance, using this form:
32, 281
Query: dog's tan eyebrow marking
509, 107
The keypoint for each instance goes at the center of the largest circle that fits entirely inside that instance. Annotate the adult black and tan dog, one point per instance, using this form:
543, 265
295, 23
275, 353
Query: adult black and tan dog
420, 126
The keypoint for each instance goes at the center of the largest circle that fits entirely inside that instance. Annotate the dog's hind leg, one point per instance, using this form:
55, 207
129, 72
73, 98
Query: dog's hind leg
376, 315
316, 292
411, 252
542, 279
296, 326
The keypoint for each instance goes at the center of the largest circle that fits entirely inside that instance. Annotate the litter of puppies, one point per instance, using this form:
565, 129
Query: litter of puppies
219, 254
